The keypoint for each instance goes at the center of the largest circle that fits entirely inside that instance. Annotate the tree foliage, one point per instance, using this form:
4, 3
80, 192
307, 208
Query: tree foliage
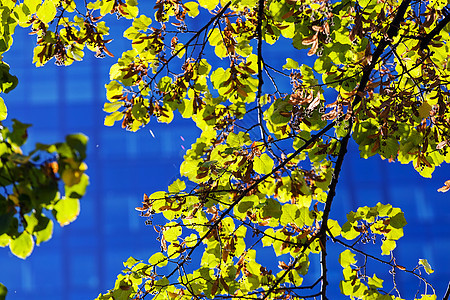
49, 180
44, 184
264, 171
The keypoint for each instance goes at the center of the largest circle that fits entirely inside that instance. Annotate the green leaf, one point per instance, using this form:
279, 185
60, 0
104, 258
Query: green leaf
106, 6
4, 240
172, 231
3, 110
427, 297
165, 84
79, 189
247, 203
47, 11
177, 186
163, 282
272, 209
267, 239
112, 107
238, 140
263, 164
423, 262
131, 261
6, 219
398, 221
290, 214
290, 64
158, 259
19, 133
375, 282
142, 22
130, 11
78, 144
3, 291
348, 231
192, 9
208, 4
347, 258
191, 240
8, 82
112, 118
387, 246
22, 246
123, 292
334, 227
31, 222
43, 235
66, 210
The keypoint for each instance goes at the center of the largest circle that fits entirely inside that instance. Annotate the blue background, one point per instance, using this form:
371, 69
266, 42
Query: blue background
83, 259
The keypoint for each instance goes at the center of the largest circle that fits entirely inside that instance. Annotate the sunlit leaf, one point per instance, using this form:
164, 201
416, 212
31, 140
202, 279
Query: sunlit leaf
67, 210
3, 110
192, 8
45, 231
423, 262
263, 164
346, 258
22, 246
375, 282
158, 259
47, 11
290, 64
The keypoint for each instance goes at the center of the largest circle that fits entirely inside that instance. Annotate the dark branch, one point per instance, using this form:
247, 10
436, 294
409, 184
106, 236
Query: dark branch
323, 264
392, 32
188, 43
427, 39
260, 70
331, 193
447, 293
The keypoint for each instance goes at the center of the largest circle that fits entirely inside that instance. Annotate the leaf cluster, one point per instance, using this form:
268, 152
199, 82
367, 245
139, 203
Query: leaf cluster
37, 187
264, 171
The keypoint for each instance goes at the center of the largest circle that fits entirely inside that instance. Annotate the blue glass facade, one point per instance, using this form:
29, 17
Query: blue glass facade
84, 258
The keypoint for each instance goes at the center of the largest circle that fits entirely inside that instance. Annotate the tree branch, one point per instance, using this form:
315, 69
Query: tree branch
393, 30
447, 293
260, 69
391, 33
323, 264
212, 20
427, 39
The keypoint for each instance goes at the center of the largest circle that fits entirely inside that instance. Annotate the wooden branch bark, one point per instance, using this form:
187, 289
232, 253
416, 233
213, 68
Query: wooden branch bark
260, 69
425, 41
447, 293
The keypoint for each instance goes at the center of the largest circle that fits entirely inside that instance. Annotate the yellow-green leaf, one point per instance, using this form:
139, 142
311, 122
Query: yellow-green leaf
290, 64
426, 266
47, 11
208, 4
192, 9
3, 110
158, 259
22, 246
347, 258
44, 234
67, 210
263, 164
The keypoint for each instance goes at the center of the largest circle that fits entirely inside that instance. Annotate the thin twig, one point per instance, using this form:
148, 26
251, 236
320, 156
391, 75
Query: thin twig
175, 54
